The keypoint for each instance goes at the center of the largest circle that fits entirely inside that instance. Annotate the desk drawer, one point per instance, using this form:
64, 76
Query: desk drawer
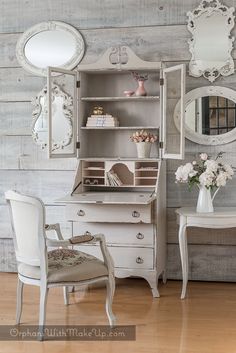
116, 233
109, 213
130, 257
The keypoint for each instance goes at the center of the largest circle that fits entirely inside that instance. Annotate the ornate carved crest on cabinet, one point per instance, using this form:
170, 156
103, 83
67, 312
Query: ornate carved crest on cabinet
119, 57
211, 44
61, 115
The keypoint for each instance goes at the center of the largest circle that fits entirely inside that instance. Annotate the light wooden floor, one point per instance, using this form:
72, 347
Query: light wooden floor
203, 323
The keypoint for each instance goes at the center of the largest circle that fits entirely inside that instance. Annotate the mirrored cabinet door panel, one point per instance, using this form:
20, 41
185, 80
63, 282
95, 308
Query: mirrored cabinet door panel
62, 113
173, 90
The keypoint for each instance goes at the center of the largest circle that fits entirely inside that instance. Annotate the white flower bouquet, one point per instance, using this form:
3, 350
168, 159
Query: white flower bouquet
143, 136
207, 172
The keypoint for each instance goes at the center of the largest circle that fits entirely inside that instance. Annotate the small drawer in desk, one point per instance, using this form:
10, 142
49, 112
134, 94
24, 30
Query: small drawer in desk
124, 257
116, 233
109, 213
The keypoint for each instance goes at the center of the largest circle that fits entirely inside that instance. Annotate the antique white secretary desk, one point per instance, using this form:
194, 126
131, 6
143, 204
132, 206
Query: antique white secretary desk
132, 216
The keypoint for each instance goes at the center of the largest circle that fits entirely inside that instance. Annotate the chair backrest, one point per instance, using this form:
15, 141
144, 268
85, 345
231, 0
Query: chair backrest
28, 222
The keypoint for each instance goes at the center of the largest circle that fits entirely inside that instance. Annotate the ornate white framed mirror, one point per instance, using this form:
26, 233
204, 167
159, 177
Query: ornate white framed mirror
211, 44
210, 115
50, 43
61, 118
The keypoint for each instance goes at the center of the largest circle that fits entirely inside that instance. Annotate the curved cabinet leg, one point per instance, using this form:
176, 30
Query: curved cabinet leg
19, 300
110, 284
66, 295
183, 246
152, 280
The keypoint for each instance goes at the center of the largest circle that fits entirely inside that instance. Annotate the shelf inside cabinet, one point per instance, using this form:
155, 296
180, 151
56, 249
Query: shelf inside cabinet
116, 173
119, 127
120, 99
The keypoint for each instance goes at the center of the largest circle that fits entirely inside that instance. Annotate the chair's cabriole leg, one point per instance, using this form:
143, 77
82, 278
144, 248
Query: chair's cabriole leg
42, 309
110, 284
66, 295
19, 300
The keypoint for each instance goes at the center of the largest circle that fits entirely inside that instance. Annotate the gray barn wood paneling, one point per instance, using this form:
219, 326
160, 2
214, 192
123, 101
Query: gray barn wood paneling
7, 256
20, 152
48, 185
206, 262
18, 15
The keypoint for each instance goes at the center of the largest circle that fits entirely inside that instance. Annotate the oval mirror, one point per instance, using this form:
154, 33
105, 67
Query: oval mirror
50, 44
210, 115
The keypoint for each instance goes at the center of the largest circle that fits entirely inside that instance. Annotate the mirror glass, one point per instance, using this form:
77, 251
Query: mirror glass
58, 47
51, 43
61, 119
211, 115
211, 44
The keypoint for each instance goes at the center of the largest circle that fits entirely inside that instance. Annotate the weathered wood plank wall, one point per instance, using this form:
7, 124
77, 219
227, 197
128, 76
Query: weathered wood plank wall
155, 30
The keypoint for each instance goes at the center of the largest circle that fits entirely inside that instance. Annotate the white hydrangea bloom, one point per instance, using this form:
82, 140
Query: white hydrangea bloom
221, 179
203, 156
184, 172
211, 165
229, 170
207, 179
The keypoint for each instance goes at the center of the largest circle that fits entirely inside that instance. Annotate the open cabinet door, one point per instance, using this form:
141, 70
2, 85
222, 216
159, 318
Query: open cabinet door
173, 91
62, 113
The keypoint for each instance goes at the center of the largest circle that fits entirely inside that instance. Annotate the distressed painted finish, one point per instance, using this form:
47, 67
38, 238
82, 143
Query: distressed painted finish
155, 30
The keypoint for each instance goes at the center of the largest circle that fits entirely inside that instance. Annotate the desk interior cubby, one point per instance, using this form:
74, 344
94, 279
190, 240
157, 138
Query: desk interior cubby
119, 173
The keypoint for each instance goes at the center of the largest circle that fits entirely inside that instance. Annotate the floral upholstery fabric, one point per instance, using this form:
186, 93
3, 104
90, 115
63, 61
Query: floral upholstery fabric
67, 265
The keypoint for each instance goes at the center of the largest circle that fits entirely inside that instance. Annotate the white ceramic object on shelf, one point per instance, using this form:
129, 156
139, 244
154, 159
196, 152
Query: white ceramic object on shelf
143, 149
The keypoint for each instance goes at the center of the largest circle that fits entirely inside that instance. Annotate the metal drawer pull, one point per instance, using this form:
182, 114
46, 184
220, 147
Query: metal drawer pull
80, 213
139, 236
136, 214
139, 260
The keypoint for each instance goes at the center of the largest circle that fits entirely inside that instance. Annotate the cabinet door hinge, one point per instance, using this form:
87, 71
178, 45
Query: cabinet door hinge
161, 145
78, 84
161, 81
77, 145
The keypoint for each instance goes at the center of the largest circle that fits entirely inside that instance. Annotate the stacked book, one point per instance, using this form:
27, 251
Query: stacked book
113, 179
105, 120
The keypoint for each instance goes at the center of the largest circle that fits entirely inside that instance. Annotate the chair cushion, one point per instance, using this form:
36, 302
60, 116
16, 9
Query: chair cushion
67, 265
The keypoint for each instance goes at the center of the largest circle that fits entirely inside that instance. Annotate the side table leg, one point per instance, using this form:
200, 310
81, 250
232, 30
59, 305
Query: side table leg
183, 246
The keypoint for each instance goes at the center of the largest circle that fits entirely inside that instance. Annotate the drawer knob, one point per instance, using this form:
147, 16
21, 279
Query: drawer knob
139, 236
80, 213
135, 214
139, 260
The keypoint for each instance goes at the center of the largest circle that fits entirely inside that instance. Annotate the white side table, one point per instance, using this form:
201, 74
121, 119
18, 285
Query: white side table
222, 217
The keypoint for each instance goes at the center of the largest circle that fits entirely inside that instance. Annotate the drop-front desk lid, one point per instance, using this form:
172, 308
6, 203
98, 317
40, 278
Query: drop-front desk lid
128, 198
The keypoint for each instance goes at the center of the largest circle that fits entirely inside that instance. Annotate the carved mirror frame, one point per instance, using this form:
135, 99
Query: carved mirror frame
47, 26
67, 103
203, 92
209, 7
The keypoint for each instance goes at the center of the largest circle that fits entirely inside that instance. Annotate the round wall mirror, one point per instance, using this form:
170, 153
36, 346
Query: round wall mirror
210, 115
50, 44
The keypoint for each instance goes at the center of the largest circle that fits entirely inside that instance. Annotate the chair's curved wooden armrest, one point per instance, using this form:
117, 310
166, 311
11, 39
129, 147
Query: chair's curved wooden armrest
79, 239
56, 227
108, 260
57, 243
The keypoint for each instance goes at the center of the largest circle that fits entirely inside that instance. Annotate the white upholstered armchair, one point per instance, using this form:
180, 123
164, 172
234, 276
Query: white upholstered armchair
60, 267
